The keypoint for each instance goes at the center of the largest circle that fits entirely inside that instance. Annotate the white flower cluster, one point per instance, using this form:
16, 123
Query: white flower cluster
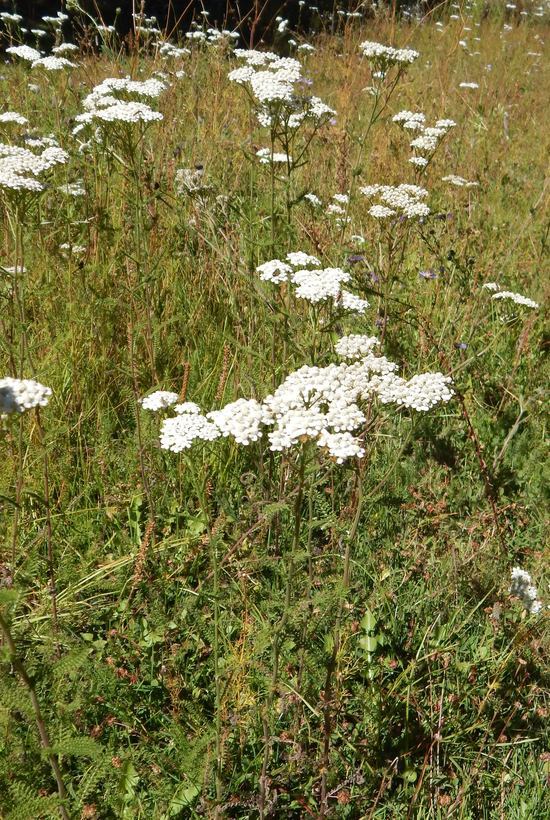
522, 587
319, 285
171, 52
355, 346
24, 53
314, 286
64, 48
51, 63
412, 121
18, 395
459, 182
13, 116
267, 158
468, 85
397, 200
518, 298
316, 403
383, 57
159, 400
19, 167
429, 137
272, 82
104, 105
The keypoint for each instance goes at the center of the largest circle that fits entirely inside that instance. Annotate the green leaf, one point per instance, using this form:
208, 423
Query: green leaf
184, 796
368, 621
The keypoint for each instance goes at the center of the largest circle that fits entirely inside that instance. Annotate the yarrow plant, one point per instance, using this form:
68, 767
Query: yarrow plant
316, 403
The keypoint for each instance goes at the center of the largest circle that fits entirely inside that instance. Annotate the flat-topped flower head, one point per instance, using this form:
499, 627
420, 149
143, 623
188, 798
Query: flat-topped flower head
517, 298
180, 432
51, 63
299, 259
20, 167
384, 57
356, 346
24, 53
19, 395
274, 271
159, 400
13, 116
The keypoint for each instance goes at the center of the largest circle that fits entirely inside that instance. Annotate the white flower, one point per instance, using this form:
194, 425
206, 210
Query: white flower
491, 286
53, 63
522, 587
241, 419
421, 162
315, 201
468, 85
180, 432
13, 116
274, 271
319, 285
18, 395
387, 55
64, 48
16, 164
299, 259
159, 400
349, 301
341, 446
355, 346
516, 297
24, 52
266, 157
381, 212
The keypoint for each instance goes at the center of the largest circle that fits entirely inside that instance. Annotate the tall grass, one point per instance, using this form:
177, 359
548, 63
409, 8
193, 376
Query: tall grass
235, 632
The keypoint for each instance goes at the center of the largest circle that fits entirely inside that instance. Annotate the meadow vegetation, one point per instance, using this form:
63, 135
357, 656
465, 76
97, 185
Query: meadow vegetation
301, 605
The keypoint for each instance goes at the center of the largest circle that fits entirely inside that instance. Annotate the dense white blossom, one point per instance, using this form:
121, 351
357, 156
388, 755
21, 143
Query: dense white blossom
274, 271
179, 433
13, 116
300, 259
159, 400
18, 395
318, 285
355, 346
19, 167
241, 419
386, 56
517, 298
24, 52
53, 63
349, 301
405, 200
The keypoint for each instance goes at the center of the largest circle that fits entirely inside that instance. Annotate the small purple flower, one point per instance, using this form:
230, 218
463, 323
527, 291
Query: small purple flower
427, 274
356, 257
461, 345
374, 277
332, 121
